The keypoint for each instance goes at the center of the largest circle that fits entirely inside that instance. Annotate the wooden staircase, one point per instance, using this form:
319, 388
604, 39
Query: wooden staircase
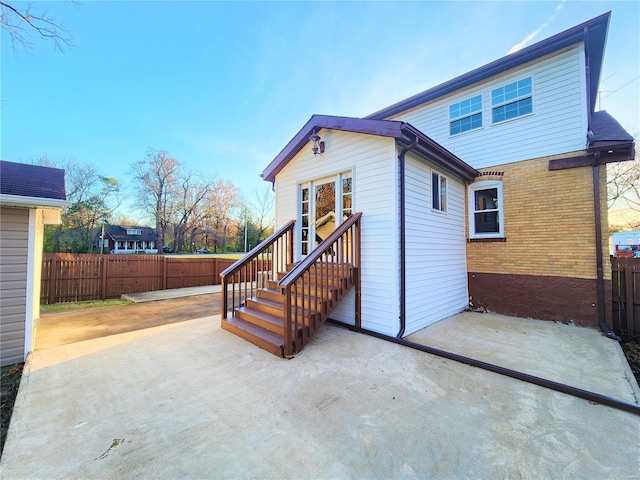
261, 320
279, 305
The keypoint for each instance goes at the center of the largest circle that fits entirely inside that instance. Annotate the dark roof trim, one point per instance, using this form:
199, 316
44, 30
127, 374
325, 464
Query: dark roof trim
401, 131
593, 33
608, 142
436, 153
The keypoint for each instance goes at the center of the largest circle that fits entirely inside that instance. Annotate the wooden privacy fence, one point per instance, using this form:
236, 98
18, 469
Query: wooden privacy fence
79, 277
625, 283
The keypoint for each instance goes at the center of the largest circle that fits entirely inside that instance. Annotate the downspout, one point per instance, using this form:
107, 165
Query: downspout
597, 214
403, 270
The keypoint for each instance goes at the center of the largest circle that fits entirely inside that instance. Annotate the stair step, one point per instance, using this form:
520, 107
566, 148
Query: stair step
273, 294
272, 323
276, 296
276, 309
261, 321
268, 321
324, 277
269, 341
265, 305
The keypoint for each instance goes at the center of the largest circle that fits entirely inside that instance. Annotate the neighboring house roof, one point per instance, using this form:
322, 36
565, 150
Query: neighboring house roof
119, 233
592, 33
32, 185
401, 131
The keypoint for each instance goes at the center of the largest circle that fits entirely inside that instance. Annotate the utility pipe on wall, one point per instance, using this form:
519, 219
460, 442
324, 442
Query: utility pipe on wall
403, 269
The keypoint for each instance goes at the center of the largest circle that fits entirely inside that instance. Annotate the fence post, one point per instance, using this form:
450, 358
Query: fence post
163, 280
629, 298
105, 261
216, 278
53, 271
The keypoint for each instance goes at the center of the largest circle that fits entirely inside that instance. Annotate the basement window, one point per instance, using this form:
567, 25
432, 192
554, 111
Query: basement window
486, 210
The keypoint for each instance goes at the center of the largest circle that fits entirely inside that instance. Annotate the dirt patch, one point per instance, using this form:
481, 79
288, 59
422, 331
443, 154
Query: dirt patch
9, 383
78, 325
632, 352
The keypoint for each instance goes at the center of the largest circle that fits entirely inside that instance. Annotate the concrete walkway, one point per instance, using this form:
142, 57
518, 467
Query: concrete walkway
171, 293
189, 400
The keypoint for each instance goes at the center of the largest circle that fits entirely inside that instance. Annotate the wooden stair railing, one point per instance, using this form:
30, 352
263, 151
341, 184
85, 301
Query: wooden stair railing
321, 280
286, 309
256, 268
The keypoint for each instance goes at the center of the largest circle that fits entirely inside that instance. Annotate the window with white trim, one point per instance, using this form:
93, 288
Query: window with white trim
465, 115
486, 219
438, 192
512, 100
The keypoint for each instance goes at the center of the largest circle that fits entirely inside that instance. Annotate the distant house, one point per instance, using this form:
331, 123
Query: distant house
30, 197
122, 239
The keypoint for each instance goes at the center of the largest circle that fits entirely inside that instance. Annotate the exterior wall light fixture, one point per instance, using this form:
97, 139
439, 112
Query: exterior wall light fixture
317, 143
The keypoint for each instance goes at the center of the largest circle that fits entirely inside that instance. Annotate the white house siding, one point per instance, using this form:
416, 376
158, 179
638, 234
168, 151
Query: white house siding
558, 123
14, 236
436, 270
372, 161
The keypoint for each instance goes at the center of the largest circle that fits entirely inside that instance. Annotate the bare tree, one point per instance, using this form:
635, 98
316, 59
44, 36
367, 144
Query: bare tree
623, 188
221, 204
79, 178
262, 213
21, 21
157, 176
190, 213
92, 196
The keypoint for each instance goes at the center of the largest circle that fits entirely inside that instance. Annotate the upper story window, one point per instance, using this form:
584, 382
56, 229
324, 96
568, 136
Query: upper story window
438, 192
465, 115
486, 210
512, 100
134, 231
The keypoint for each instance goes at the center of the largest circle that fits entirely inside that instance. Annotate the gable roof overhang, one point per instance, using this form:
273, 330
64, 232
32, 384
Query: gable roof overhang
608, 142
402, 132
593, 33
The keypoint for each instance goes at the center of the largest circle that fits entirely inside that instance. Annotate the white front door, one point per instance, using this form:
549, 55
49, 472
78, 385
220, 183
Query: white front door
324, 204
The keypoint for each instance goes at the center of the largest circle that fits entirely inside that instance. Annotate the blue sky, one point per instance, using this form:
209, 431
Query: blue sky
223, 86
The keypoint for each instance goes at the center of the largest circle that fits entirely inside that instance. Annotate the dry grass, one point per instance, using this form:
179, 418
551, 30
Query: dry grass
63, 307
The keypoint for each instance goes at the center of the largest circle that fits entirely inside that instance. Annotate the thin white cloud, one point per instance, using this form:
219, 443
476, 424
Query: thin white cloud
535, 33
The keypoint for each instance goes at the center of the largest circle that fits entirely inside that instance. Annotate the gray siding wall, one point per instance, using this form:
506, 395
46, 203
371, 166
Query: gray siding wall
14, 233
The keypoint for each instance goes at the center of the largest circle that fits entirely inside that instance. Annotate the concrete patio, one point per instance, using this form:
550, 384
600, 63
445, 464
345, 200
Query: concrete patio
189, 400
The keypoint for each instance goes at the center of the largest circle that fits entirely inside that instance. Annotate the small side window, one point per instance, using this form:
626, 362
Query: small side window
438, 192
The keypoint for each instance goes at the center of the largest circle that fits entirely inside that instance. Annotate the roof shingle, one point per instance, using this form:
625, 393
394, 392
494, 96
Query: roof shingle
24, 180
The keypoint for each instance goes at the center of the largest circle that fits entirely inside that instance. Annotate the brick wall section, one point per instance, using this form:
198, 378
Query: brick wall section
548, 222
